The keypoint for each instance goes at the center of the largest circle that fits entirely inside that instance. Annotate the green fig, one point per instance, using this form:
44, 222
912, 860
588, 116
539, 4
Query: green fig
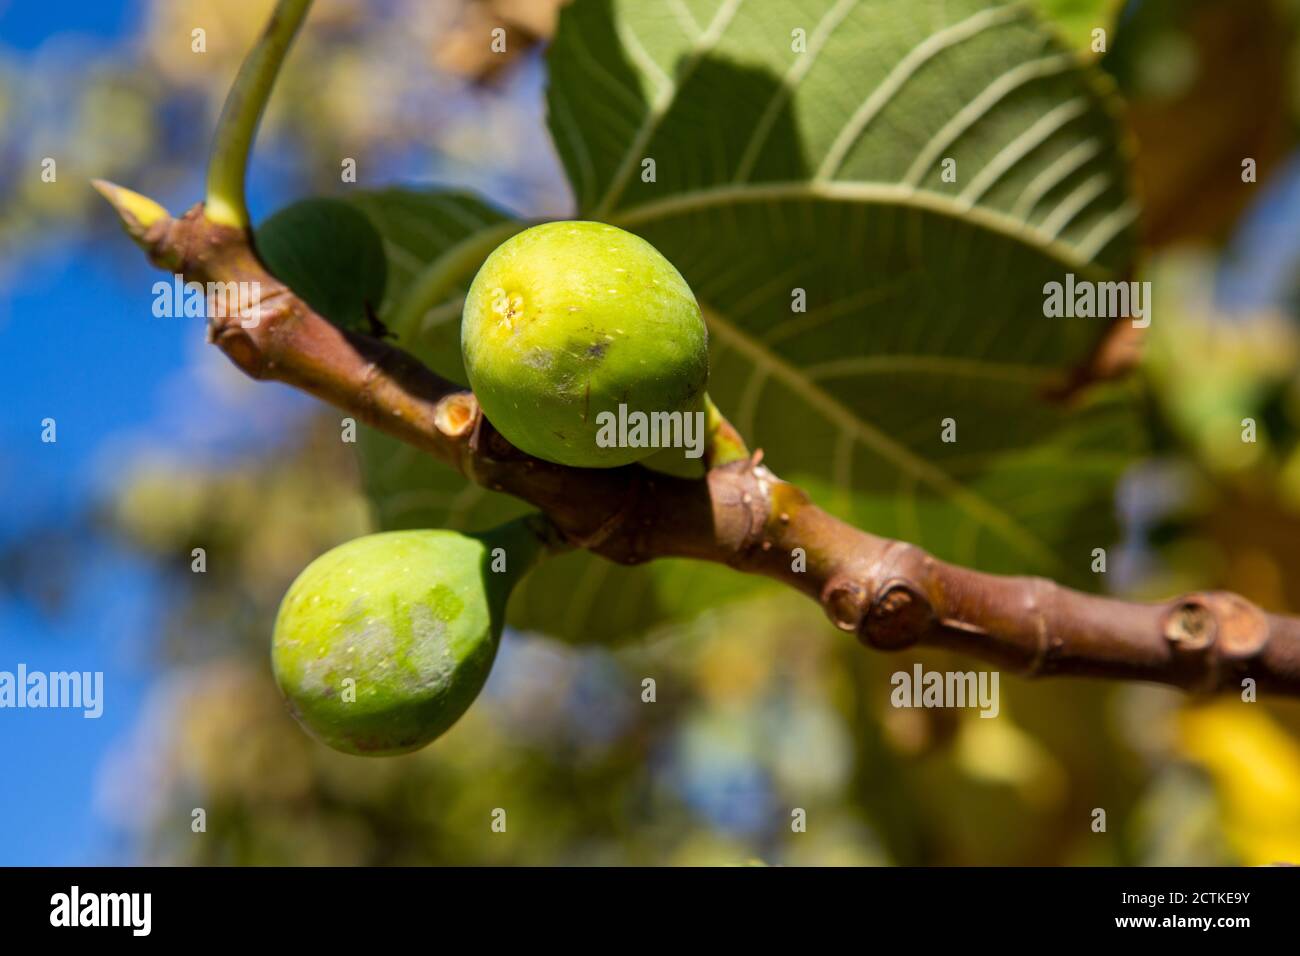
569, 320
383, 642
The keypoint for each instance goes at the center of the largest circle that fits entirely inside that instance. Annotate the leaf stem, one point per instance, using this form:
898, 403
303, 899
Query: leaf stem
242, 112
723, 444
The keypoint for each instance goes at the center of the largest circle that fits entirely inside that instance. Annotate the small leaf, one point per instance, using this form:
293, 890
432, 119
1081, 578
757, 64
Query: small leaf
434, 241
330, 255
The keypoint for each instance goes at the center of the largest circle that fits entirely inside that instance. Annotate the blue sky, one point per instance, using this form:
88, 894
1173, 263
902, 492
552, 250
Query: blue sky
77, 368
24, 24
77, 350
49, 327
80, 346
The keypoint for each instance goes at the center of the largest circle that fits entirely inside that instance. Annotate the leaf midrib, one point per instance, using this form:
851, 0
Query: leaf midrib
901, 457
883, 194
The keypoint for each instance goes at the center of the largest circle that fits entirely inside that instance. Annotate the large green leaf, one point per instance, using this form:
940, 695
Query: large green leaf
779, 166
434, 242
821, 170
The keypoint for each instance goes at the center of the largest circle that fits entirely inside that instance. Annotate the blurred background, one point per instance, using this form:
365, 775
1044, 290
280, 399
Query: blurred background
762, 707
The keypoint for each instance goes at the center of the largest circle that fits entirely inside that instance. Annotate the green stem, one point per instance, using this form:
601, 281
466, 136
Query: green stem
243, 111
723, 443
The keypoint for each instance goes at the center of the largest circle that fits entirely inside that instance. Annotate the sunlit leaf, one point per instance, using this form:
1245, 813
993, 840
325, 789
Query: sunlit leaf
917, 172
768, 148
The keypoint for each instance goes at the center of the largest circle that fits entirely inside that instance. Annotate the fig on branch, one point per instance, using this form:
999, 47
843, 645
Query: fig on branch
567, 320
383, 642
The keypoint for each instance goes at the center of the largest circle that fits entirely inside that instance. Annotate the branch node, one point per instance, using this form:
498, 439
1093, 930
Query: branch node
1243, 628
240, 349
456, 414
899, 616
845, 602
1190, 625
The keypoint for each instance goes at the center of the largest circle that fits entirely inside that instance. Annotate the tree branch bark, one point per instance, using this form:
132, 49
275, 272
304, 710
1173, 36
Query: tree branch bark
891, 594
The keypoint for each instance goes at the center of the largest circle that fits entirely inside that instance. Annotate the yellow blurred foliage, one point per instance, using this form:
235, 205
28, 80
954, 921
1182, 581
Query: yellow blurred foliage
997, 751
1255, 765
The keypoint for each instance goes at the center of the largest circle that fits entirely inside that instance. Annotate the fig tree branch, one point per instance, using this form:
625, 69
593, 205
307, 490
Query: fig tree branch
891, 594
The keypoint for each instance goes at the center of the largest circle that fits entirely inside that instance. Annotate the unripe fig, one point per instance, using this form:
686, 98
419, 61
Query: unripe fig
383, 642
567, 320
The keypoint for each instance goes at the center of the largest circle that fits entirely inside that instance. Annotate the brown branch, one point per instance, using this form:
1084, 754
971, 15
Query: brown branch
892, 594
